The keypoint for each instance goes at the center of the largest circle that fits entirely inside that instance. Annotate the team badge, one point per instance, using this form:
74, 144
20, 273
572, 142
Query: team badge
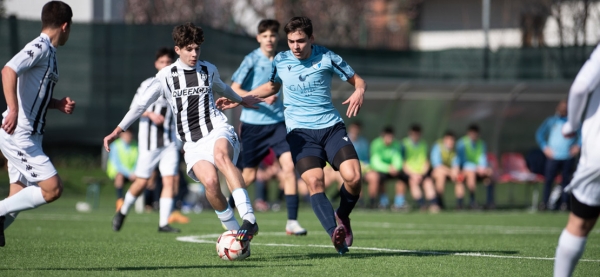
316, 65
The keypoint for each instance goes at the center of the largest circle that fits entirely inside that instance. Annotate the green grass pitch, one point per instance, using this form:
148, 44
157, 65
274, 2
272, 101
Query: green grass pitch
55, 240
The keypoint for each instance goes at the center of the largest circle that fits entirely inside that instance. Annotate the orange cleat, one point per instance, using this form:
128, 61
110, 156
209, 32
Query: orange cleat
177, 217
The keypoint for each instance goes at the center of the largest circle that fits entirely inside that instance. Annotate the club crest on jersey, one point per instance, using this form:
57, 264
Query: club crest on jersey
316, 65
174, 74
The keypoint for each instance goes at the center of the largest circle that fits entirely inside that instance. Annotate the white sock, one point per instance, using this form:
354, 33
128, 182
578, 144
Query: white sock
127, 202
10, 218
228, 219
242, 203
26, 199
291, 221
165, 205
569, 250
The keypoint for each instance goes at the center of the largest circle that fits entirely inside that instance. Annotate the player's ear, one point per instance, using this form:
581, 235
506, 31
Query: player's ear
177, 50
312, 39
64, 27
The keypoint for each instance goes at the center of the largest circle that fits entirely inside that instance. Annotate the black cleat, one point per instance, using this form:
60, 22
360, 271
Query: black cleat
118, 221
247, 231
168, 229
2, 241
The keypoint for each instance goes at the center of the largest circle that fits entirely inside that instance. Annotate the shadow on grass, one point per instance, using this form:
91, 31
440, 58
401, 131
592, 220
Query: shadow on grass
141, 268
359, 254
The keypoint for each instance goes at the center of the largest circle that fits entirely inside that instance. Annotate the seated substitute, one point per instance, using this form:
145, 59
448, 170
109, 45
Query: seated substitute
472, 159
445, 167
386, 163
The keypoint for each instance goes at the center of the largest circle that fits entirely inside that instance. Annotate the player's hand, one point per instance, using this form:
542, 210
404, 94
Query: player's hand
250, 101
157, 119
271, 99
10, 122
548, 153
225, 104
66, 105
574, 151
110, 138
355, 102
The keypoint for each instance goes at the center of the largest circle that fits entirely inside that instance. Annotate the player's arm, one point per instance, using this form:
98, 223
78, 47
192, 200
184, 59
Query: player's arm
237, 87
355, 100
435, 156
585, 83
149, 96
231, 98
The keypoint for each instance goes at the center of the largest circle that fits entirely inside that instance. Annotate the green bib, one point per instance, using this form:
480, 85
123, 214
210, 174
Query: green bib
128, 158
473, 152
447, 154
415, 156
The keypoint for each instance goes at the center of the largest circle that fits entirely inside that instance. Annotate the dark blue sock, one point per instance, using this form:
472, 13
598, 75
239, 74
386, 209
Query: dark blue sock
324, 212
231, 202
459, 202
119, 193
421, 202
292, 206
260, 191
472, 197
347, 202
490, 194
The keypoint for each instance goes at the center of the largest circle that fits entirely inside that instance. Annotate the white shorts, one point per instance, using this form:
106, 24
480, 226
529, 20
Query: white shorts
203, 150
585, 184
166, 158
27, 162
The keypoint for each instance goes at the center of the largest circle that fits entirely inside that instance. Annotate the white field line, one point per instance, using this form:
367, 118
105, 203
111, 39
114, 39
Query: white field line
210, 239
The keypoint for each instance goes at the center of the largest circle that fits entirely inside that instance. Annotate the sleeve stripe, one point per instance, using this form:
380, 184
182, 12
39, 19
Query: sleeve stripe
340, 69
272, 79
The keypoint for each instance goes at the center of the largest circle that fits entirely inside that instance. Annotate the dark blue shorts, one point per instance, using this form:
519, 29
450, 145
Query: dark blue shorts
321, 143
257, 139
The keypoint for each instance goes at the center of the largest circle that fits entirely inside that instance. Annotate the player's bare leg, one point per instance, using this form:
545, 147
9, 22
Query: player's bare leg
166, 205
30, 197
430, 194
223, 153
373, 184
349, 194
439, 175
290, 189
135, 190
176, 216
470, 180
571, 244
414, 183
488, 181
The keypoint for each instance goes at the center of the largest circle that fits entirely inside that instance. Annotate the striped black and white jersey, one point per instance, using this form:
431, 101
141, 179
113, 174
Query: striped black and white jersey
189, 92
150, 135
37, 73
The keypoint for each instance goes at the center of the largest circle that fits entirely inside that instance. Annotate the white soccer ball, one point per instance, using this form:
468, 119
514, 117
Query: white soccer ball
230, 249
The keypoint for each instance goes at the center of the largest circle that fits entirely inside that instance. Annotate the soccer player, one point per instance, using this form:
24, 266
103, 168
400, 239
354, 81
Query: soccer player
157, 148
386, 163
209, 141
471, 152
416, 169
316, 131
28, 80
584, 113
561, 154
445, 166
264, 128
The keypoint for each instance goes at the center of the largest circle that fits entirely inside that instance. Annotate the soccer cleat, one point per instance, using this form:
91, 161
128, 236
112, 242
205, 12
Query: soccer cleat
168, 229
118, 204
345, 222
339, 239
2, 240
247, 231
294, 228
117, 222
177, 217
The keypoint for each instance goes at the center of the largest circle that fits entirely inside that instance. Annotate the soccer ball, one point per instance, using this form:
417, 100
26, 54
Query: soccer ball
230, 249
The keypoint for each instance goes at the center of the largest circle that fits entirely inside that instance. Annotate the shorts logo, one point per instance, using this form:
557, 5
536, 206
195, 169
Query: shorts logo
20, 154
33, 174
23, 160
345, 138
28, 167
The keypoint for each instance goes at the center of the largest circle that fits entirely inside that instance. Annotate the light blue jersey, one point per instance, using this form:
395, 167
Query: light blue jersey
307, 87
253, 72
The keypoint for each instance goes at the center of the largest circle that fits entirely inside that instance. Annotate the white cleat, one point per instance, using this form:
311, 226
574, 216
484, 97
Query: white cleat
293, 228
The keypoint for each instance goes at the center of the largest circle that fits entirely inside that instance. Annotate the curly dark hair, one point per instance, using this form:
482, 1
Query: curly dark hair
186, 34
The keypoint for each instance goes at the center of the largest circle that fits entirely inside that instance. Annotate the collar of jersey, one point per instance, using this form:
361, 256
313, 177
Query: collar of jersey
182, 65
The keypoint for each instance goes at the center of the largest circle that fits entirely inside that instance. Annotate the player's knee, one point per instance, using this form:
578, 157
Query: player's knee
314, 183
352, 178
212, 185
221, 159
53, 193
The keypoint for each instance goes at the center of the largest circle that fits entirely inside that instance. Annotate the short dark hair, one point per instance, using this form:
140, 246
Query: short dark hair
415, 128
357, 123
55, 14
268, 25
299, 23
388, 130
449, 133
186, 34
473, 128
164, 51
